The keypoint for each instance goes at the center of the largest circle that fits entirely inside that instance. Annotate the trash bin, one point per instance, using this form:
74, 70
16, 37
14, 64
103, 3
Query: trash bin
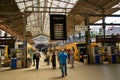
28, 62
0, 62
97, 59
19, 63
85, 59
118, 58
113, 58
13, 63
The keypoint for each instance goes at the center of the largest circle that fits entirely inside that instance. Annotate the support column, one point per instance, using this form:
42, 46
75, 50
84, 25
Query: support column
25, 41
103, 22
88, 40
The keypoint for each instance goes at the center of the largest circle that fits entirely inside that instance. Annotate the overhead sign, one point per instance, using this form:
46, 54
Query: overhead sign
79, 28
58, 27
10, 42
108, 39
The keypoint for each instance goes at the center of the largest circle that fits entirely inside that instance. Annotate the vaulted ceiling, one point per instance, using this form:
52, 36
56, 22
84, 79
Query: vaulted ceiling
12, 15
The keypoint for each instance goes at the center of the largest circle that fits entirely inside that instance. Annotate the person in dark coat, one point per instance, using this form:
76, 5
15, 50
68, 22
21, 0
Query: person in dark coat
38, 56
53, 60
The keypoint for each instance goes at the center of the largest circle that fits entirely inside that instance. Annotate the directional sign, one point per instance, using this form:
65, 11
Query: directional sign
79, 28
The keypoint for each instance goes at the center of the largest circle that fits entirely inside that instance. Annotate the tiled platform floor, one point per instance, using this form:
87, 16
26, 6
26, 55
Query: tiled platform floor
80, 72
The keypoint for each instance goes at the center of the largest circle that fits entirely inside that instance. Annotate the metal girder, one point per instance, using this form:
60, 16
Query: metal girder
111, 3
99, 24
84, 7
10, 13
47, 7
42, 35
104, 15
47, 12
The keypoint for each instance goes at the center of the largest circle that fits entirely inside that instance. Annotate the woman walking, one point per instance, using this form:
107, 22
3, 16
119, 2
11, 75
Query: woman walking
53, 60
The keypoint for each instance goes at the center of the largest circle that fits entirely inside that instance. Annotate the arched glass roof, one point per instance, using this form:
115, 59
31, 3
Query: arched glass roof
38, 19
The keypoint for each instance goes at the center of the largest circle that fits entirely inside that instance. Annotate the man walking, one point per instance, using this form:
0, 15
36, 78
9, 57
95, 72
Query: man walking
63, 64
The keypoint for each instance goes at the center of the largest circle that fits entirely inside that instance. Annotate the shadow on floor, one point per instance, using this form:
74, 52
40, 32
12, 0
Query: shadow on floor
40, 69
6, 69
56, 78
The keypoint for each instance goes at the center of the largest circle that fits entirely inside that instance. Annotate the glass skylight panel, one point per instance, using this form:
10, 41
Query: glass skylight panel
21, 6
41, 9
41, 1
49, 4
28, 19
73, 1
34, 2
70, 6
32, 17
54, 2
62, 4
19, 0
28, 3
54, 5
29, 9
42, 4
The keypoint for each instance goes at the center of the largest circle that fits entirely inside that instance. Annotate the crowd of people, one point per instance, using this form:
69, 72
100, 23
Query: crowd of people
63, 57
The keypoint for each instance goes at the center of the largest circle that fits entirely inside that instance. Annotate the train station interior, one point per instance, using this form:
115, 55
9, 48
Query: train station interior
90, 27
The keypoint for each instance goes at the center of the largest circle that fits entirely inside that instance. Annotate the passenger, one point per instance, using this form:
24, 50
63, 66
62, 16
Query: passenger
58, 53
45, 57
53, 59
38, 56
63, 64
48, 57
105, 56
72, 58
69, 56
34, 57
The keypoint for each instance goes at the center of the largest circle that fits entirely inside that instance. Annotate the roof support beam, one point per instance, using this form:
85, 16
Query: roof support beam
92, 5
10, 31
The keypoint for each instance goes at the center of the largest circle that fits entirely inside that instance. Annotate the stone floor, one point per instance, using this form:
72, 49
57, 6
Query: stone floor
79, 72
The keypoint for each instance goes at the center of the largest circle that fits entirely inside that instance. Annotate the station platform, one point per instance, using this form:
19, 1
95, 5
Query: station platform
79, 72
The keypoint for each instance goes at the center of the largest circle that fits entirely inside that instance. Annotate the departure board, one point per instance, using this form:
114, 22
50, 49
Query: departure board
58, 27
